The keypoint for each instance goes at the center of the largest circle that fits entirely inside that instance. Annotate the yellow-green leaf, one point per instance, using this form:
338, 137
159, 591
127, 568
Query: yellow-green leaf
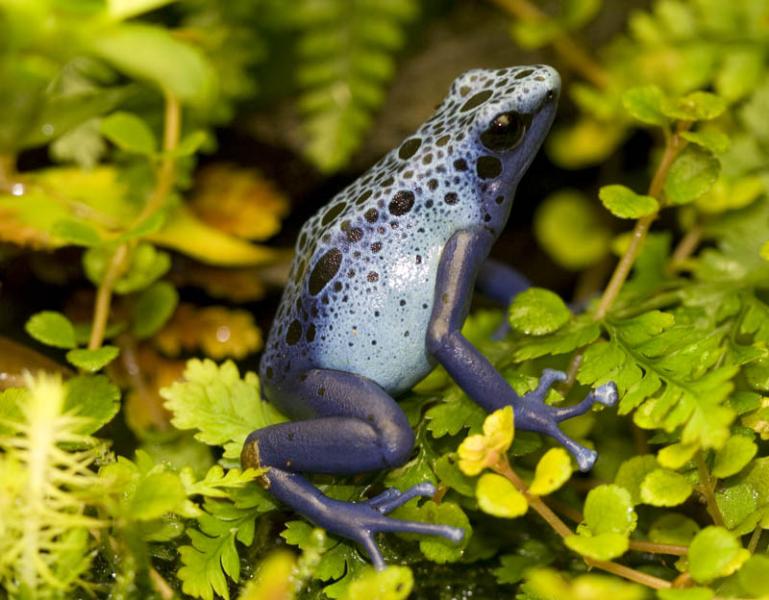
663, 487
497, 496
623, 202
537, 311
715, 553
553, 470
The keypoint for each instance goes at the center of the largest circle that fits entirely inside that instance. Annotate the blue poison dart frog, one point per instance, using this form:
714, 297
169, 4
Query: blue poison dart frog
377, 294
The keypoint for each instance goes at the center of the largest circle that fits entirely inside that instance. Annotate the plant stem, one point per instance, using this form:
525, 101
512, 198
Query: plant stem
754, 539
568, 49
543, 510
652, 548
166, 170
104, 296
673, 147
685, 248
707, 487
163, 185
7, 171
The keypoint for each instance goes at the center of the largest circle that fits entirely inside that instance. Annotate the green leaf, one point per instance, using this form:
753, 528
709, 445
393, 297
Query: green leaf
740, 72
571, 230
692, 174
754, 575
710, 139
580, 331
156, 494
537, 311
434, 548
393, 583
609, 509
147, 264
697, 106
715, 553
153, 54
604, 546
623, 202
676, 456
498, 497
51, 328
734, 456
645, 104
221, 405
125, 9
672, 528
92, 360
663, 487
92, 396
153, 308
129, 132
549, 584
75, 232
553, 470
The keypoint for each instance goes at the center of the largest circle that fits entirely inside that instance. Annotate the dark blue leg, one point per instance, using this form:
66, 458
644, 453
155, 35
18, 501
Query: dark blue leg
500, 282
460, 262
354, 427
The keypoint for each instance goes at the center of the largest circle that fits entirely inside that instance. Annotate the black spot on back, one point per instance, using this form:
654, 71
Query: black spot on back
460, 164
324, 270
476, 100
450, 198
371, 215
401, 203
523, 74
332, 213
488, 167
363, 197
310, 335
294, 333
409, 148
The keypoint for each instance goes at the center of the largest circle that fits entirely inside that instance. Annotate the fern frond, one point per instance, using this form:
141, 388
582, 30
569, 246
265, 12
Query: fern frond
44, 535
346, 51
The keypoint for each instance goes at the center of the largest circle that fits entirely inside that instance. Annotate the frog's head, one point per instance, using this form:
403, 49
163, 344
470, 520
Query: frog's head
498, 119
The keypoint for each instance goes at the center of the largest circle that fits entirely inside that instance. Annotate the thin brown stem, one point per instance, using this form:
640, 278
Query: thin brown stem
543, 510
653, 548
161, 586
7, 171
685, 248
707, 487
568, 49
755, 537
673, 147
166, 170
104, 296
163, 185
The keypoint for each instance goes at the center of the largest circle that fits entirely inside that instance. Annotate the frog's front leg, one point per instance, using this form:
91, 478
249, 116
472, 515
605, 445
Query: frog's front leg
351, 425
460, 262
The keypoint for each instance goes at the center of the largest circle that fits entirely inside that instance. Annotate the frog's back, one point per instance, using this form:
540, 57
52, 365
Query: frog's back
361, 287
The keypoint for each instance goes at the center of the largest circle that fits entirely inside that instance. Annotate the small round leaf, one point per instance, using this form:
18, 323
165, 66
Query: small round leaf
537, 311
92, 360
624, 203
663, 487
714, 553
553, 470
52, 328
497, 496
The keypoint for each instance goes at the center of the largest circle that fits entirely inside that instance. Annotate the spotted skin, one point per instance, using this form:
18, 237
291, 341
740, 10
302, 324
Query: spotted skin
378, 291
361, 289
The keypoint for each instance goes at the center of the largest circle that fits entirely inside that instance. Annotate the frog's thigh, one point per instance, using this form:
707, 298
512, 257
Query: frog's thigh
350, 425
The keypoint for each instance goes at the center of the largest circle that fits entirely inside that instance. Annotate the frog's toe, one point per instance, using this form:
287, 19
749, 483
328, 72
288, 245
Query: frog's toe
607, 394
392, 498
548, 379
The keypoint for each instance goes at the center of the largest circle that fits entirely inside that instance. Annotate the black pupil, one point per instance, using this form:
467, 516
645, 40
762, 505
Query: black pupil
505, 132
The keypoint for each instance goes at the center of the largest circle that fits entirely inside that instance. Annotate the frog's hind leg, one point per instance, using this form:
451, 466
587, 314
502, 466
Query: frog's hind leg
350, 425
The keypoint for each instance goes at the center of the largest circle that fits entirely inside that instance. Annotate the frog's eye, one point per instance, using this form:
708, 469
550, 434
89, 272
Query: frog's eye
504, 133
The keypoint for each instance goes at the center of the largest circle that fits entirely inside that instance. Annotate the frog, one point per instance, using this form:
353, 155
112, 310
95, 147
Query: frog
379, 287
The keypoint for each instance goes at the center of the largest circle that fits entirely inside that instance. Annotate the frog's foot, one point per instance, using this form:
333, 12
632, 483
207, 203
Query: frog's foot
534, 415
360, 521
